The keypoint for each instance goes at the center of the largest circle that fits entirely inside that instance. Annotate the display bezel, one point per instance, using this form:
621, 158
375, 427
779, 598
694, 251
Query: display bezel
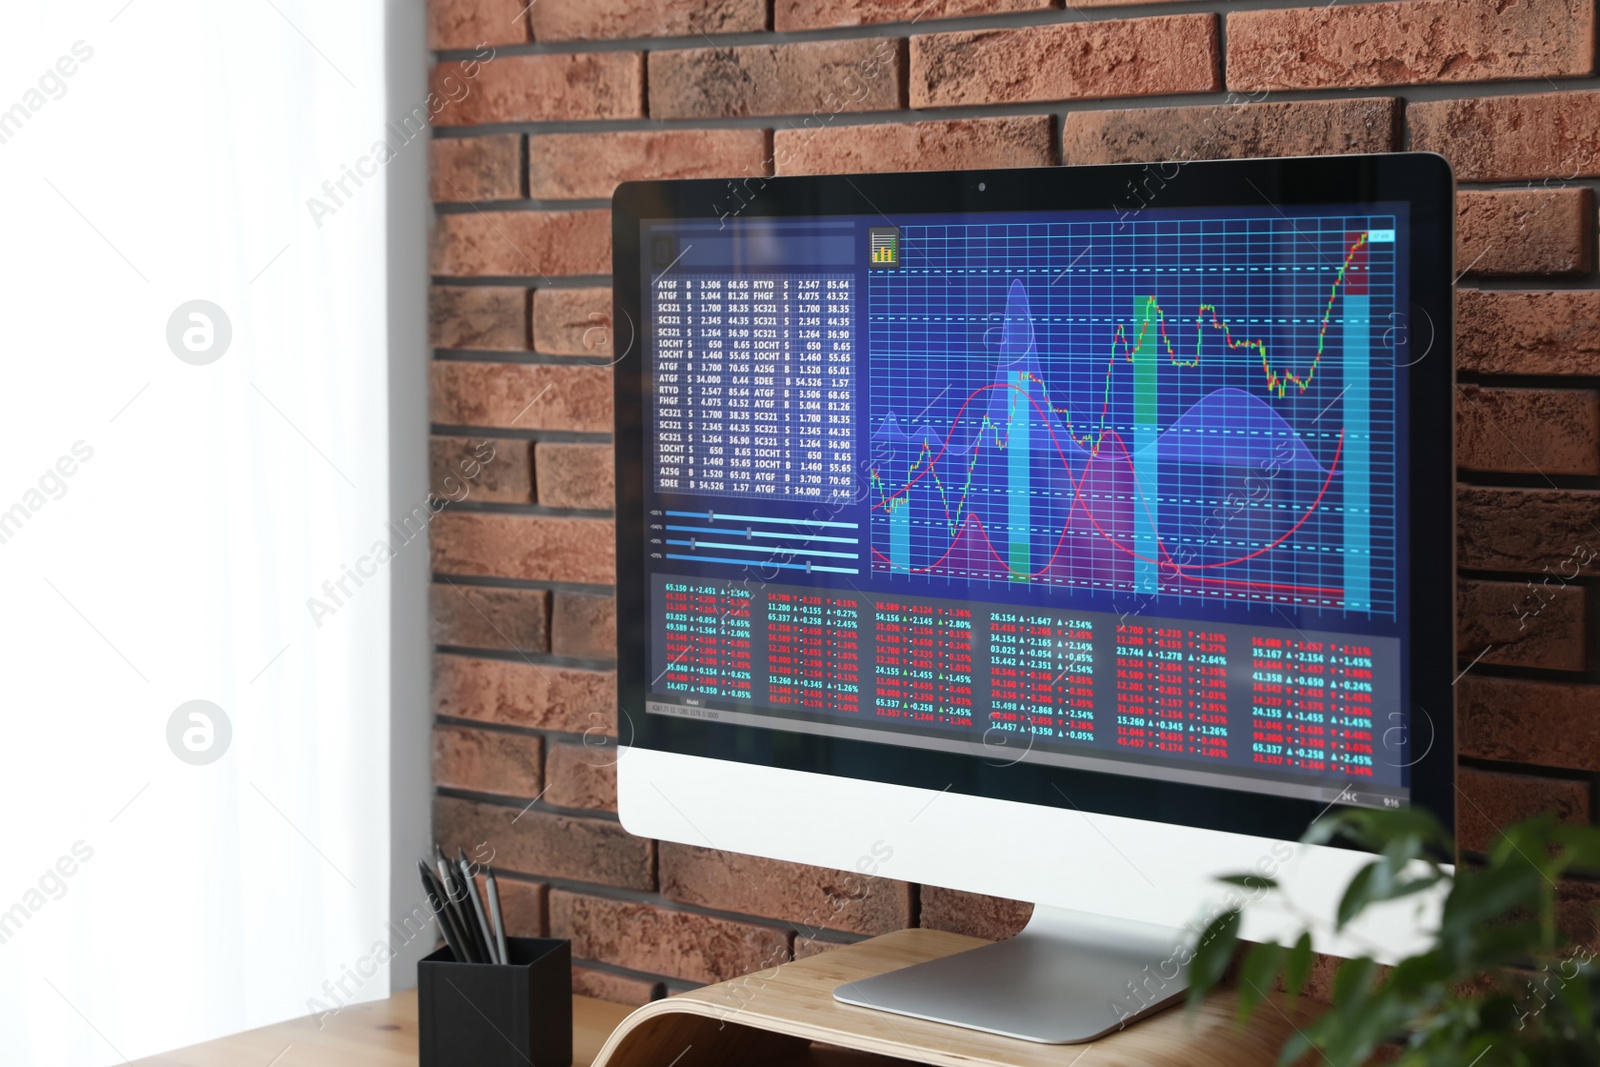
1421, 180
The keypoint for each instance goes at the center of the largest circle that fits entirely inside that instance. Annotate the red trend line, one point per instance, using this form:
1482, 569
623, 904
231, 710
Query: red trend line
1123, 349
1277, 382
1179, 569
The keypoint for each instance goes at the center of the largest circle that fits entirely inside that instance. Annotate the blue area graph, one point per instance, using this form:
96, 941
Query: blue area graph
1174, 407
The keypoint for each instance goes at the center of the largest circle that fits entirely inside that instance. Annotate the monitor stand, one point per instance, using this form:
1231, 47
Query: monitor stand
1069, 976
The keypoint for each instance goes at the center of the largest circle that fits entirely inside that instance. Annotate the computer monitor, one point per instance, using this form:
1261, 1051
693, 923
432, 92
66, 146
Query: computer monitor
1076, 535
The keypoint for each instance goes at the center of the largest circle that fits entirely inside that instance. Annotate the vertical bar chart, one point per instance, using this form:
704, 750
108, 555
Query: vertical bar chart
1146, 539
900, 533
1019, 488
1356, 338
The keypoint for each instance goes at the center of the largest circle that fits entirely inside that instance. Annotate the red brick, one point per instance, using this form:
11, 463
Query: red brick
1506, 138
826, 14
475, 168
1547, 724
617, 988
583, 626
1231, 131
1416, 41
521, 243
1516, 332
972, 913
1527, 529
526, 396
483, 471
478, 316
573, 322
784, 79
542, 88
957, 144
530, 841
807, 897
582, 776
469, 23
1066, 61
1525, 231
576, 475
1523, 431
535, 547
577, 166
1546, 626
1576, 911
522, 905
515, 693
1488, 802
471, 616
610, 19
647, 937
487, 761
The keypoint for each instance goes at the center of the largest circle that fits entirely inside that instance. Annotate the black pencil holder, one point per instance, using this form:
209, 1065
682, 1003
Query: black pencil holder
517, 1014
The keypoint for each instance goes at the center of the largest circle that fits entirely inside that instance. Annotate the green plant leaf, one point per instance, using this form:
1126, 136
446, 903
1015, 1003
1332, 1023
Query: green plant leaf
1298, 967
1354, 980
1415, 974
1256, 975
1357, 894
1481, 896
1297, 1045
1250, 881
1375, 829
1581, 846
1212, 953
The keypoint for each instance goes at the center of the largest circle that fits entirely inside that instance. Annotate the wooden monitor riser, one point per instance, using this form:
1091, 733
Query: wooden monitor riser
777, 1013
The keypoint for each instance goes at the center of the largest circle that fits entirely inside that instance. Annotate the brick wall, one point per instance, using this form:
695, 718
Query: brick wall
582, 94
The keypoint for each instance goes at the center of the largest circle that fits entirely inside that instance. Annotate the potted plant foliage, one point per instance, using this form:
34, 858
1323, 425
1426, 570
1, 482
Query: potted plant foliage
1500, 983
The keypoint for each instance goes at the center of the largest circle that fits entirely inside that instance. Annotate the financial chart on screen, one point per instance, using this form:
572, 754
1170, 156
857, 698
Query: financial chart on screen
1126, 492
1178, 408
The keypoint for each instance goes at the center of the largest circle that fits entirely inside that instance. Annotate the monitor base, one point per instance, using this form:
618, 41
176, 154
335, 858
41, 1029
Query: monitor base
1067, 977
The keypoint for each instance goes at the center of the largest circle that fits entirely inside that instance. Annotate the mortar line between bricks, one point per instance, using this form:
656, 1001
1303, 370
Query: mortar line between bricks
467, 207
1529, 770
515, 433
491, 727
526, 281
543, 659
1506, 672
524, 804
1578, 483
1495, 574
1528, 381
477, 507
526, 358
506, 582
621, 972
1407, 94
1068, 15
1532, 282
554, 737
658, 899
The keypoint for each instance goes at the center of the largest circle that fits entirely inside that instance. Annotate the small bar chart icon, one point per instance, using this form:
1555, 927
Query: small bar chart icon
884, 242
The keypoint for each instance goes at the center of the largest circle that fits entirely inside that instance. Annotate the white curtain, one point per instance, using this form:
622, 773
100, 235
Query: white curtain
165, 515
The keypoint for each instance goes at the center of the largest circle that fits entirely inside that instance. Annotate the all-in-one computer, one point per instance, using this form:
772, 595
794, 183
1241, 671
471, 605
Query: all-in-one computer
1076, 535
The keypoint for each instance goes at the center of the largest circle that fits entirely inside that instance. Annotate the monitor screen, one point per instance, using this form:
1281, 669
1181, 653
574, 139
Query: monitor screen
1120, 491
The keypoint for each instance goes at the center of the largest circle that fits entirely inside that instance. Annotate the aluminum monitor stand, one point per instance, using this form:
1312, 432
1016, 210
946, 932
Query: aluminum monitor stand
1068, 977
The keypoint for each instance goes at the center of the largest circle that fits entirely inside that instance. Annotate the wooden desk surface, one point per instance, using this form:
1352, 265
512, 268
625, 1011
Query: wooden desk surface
381, 1033
787, 1016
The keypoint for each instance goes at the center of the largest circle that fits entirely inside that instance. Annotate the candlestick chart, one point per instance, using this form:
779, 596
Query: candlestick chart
1175, 408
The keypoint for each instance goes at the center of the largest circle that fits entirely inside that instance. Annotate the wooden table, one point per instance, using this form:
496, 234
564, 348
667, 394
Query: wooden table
380, 1033
786, 1015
